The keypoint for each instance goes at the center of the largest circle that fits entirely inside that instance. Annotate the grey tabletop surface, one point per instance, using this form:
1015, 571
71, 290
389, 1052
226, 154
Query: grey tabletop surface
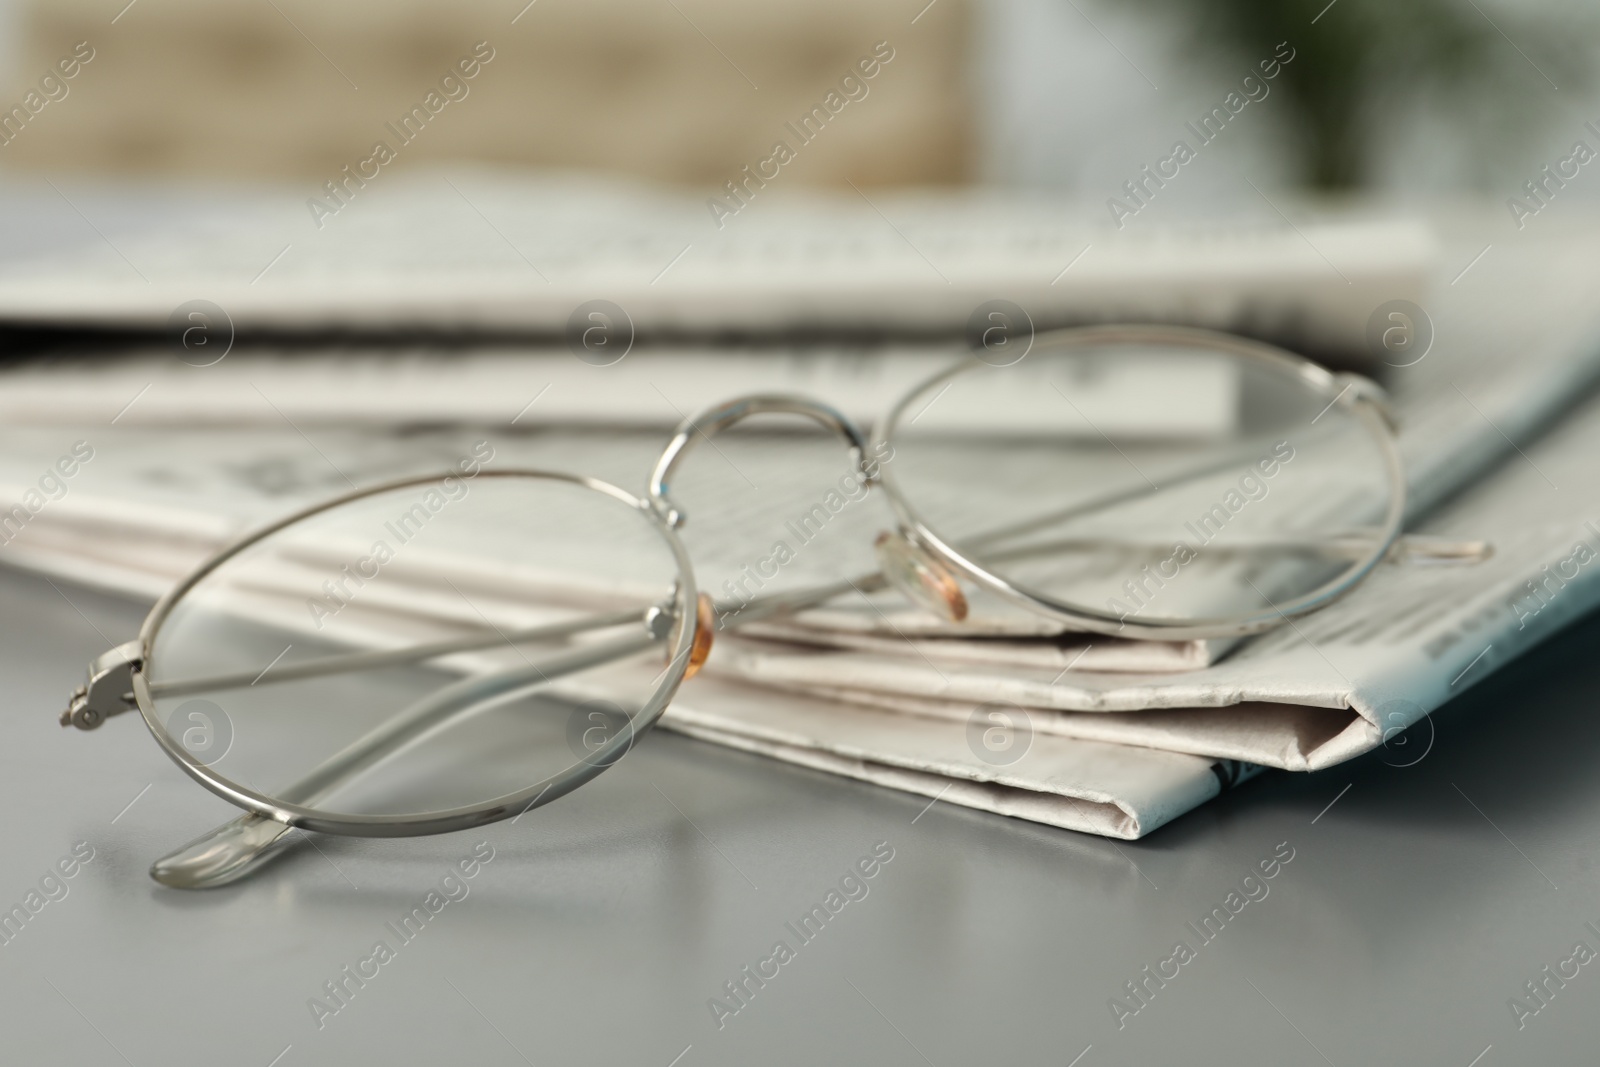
1414, 896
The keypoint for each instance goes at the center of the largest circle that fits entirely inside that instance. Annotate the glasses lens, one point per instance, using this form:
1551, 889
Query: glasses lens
437, 646
1162, 479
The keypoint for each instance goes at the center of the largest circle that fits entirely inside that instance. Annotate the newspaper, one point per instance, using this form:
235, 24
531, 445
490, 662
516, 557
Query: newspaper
483, 252
1117, 753
1112, 753
526, 385
151, 505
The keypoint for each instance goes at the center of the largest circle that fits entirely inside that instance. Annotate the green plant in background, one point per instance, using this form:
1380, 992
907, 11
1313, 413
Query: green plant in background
1363, 61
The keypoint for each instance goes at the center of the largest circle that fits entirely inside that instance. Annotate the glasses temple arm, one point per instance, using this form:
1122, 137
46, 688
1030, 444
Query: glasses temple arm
1110, 500
242, 845
765, 607
358, 661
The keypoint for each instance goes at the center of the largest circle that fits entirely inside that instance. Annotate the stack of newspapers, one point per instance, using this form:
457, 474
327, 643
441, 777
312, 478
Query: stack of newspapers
124, 465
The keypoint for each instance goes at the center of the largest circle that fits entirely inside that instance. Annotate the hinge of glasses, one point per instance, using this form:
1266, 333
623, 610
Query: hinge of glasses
109, 690
1364, 388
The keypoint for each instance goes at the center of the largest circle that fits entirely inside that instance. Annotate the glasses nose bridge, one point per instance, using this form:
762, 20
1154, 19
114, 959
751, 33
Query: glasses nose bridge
714, 420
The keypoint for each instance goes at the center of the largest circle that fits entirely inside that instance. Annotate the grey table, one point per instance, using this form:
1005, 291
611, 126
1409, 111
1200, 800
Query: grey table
1419, 901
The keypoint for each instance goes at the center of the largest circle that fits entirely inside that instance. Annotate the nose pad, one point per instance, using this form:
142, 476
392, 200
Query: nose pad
922, 578
705, 625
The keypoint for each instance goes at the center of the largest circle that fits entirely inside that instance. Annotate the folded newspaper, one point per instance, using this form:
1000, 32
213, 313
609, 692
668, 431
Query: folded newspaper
490, 251
1110, 737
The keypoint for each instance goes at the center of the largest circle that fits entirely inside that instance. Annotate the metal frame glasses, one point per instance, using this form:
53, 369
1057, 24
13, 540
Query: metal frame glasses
928, 564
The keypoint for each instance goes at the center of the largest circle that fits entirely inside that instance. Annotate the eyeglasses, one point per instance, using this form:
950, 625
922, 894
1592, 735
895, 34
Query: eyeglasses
442, 652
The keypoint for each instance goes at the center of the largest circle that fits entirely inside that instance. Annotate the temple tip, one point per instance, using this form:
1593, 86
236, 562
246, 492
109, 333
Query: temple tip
224, 855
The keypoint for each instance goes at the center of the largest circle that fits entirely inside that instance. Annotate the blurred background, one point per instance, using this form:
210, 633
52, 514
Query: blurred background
1409, 99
